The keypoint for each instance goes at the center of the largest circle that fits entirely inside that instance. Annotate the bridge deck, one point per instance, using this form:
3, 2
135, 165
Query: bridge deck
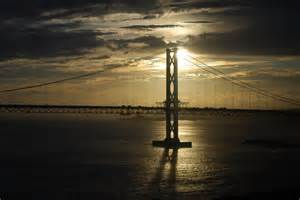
133, 110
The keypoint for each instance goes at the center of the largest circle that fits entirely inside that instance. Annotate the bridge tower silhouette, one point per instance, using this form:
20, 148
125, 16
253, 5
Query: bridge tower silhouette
171, 104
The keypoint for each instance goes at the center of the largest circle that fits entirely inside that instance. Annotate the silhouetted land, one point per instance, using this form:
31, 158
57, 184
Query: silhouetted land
129, 109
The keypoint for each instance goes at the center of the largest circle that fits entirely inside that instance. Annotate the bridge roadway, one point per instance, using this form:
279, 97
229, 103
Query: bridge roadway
133, 110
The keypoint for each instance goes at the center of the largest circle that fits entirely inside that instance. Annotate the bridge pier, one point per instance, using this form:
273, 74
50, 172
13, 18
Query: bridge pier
171, 104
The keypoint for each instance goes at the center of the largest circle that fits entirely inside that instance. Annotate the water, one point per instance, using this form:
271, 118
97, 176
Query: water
81, 156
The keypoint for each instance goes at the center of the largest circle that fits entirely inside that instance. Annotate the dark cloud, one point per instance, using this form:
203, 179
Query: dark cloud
259, 29
269, 27
150, 17
199, 22
257, 39
59, 27
53, 40
151, 42
200, 4
34, 8
153, 26
42, 42
178, 5
24, 33
102, 57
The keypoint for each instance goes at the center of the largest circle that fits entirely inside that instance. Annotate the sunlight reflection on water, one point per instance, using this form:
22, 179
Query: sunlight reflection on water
183, 171
113, 156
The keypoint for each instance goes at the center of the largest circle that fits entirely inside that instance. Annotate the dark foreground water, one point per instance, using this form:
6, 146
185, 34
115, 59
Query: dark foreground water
84, 156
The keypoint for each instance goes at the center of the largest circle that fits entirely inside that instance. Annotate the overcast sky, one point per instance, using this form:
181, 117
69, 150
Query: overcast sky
46, 40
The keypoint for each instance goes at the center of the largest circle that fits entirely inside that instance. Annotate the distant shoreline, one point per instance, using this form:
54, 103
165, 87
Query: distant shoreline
129, 109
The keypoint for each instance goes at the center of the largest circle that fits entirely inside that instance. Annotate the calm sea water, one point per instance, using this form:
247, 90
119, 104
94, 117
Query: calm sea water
81, 156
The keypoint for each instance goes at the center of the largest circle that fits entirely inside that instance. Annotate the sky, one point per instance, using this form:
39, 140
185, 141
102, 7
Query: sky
253, 41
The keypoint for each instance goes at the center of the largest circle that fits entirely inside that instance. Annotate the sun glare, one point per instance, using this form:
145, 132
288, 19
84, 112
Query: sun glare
183, 56
182, 53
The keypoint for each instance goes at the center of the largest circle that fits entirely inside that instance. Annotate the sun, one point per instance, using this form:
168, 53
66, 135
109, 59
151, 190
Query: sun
182, 53
182, 57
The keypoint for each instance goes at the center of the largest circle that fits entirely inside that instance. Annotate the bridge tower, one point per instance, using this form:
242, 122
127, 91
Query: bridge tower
171, 103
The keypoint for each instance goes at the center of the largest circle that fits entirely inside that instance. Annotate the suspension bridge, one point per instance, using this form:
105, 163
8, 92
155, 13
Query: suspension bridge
171, 107
250, 97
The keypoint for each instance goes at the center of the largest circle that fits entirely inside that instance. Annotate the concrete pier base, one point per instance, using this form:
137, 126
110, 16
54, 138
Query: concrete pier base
171, 144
